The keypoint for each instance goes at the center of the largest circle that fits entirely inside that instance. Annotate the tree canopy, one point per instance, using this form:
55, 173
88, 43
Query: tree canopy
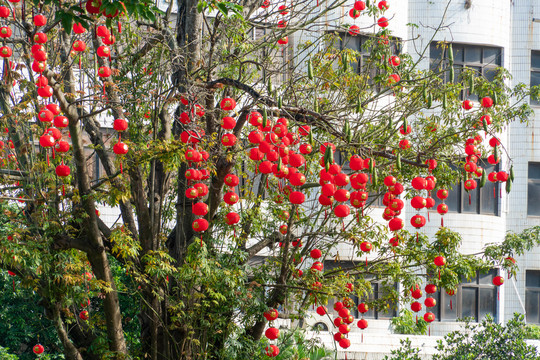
243, 146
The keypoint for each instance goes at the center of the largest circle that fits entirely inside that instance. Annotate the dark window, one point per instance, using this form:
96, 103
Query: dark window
532, 296
363, 44
535, 73
483, 200
533, 190
380, 290
474, 298
484, 60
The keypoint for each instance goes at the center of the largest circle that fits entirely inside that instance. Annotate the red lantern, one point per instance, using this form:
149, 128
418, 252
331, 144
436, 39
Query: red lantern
315, 253
200, 225
5, 52
231, 198
382, 22
45, 92
40, 38
395, 224
362, 324
283, 41
40, 20
359, 5
322, 310
63, 170
366, 246
502, 176
120, 125
272, 351
93, 6
232, 218
231, 180
271, 314
498, 280
354, 30
429, 317
38, 349
272, 333
395, 61
200, 209
46, 140
416, 306
442, 209
470, 184
104, 72
342, 210
354, 13
363, 308
4, 12
5, 32
342, 195
228, 104
418, 183
62, 146
418, 221
78, 28
103, 51
439, 261
467, 105
442, 194
431, 288
228, 140
120, 148
487, 102
283, 229
345, 343
430, 302
84, 315
418, 202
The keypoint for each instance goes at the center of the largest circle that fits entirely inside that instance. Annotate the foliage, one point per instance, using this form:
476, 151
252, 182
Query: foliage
488, 340
532, 331
293, 345
157, 288
404, 352
406, 323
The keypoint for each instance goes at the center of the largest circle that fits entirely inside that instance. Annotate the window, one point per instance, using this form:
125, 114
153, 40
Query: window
535, 73
362, 44
484, 200
532, 296
473, 298
533, 190
484, 60
379, 291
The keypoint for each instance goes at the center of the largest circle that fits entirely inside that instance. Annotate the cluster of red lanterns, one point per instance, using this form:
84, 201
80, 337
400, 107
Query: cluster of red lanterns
429, 302
5, 32
357, 9
120, 148
272, 333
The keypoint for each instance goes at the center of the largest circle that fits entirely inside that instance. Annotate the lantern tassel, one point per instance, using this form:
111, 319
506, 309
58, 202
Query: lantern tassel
500, 191
343, 224
297, 214
439, 274
417, 318
48, 161
234, 232
63, 190
366, 261
498, 295
357, 217
13, 285
450, 304
121, 168
119, 27
429, 330
428, 216
362, 339
469, 198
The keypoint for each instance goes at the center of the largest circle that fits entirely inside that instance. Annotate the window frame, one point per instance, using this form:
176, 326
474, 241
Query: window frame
457, 298
461, 62
536, 291
535, 182
535, 70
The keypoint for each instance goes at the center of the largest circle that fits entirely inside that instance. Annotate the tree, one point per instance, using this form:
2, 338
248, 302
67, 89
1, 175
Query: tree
203, 265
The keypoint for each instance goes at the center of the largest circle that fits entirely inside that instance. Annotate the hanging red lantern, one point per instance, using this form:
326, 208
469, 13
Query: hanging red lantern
200, 225
46, 140
272, 333
231, 198
283, 41
228, 140
382, 22
200, 209
38, 349
467, 105
120, 125
342, 195
45, 115
359, 5
416, 292
418, 202
418, 221
45, 92
442, 194
62, 146
84, 315
486, 102
109, 40
418, 183
78, 28
5, 32
431, 288
232, 218
498, 280
62, 170
322, 310
40, 20
120, 148
363, 308
342, 210
272, 350
395, 224
366, 246
40, 38
362, 324
354, 30
93, 6
383, 5
5, 52
416, 306
502, 176
4, 12
470, 184
429, 317
439, 261
231, 180
103, 51
430, 302
345, 343
317, 267
104, 72
271, 314
394, 60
